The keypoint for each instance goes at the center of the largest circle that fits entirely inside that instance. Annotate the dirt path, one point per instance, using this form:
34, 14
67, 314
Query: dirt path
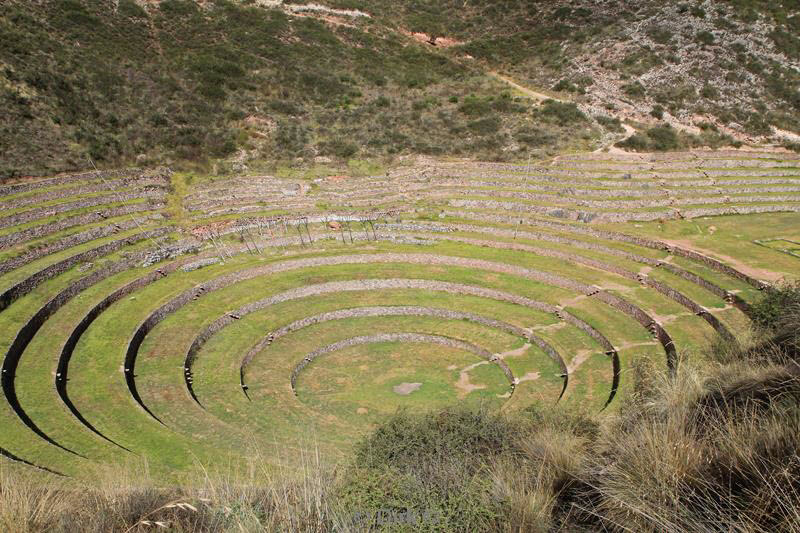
540, 97
524, 90
580, 357
750, 270
464, 385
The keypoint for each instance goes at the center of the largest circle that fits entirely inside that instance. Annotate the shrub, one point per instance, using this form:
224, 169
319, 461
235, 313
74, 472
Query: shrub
659, 34
562, 113
474, 106
432, 462
291, 137
710, 92
534, 137
634, 90
757, 124
636, 142
793, 146
640, 61
609, 123
778, 305
568, 86
705, 37
340, 148
663, 138
657, 112
485, 126
786, 42
286, 107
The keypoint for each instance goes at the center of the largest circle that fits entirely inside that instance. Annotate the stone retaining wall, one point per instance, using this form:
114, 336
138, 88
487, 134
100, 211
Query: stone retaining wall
43, 230
394, 311
17, 188
49, 211
622, 189
601, 179
74, 240
424, 259
694, 155
57, 194
195, 265
341, 286
602, 266
17, 459
32, 326
567, 198
646, 321
621, 237
56, 269
68, 348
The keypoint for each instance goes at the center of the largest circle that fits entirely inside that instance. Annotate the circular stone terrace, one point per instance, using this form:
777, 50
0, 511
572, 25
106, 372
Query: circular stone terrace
248, 316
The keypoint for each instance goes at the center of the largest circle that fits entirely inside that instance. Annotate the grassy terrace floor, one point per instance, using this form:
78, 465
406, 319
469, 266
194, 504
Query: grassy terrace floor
495, 280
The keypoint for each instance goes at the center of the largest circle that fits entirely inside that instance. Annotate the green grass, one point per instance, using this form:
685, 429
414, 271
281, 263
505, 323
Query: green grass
732, 237
345, 394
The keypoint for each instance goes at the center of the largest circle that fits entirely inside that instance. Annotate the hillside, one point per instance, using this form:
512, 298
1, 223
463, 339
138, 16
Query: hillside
732, 65
161, 82
180, 81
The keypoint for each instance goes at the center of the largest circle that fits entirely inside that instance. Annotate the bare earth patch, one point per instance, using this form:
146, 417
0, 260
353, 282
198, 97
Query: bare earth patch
522, 350
404, 389
463, 384
530, 376
739, 265
580, 357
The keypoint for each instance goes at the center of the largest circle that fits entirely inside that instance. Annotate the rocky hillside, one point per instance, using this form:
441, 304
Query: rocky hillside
732, 65
122, 81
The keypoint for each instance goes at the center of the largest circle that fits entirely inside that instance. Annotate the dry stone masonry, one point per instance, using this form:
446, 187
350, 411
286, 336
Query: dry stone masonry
101, 250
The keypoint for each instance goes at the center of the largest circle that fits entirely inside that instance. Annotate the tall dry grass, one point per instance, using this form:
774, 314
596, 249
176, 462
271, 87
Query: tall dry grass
264, 498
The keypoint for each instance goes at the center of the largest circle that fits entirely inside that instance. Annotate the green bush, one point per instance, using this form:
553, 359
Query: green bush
657, 112
640, 61
485, 126
636, 142
705, 37
475, 106
534, 137
698, 12
663, 138
609, 123
340, 148
710, 92
659, 34
568, 86
291, 137
793, 146
634, 90
561, 113
787, 42
778, 302
431, 463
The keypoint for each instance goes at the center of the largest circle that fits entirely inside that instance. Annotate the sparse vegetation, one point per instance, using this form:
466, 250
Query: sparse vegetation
225, 79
